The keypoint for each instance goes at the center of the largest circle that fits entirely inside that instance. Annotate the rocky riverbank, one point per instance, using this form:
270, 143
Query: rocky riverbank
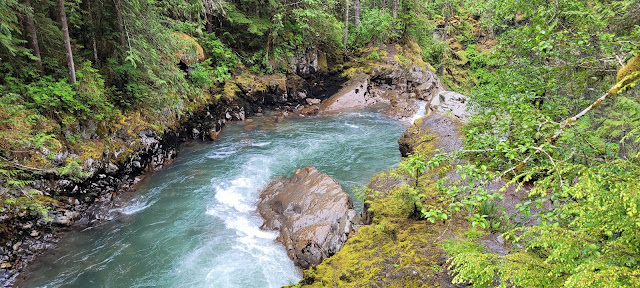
394, 248
83, 198
135, 147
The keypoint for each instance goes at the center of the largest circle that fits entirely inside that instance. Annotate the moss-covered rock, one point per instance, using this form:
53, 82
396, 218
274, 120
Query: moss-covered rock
418, 139
189, 51
397, 249
632, 69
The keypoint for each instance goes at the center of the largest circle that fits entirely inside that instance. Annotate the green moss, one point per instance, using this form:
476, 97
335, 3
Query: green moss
322, 62
230, 90
419, 139
394, 251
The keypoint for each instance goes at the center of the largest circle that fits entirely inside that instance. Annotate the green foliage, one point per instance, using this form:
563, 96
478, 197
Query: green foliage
547, 68
361, 192
73, 170
373, 56
590, 240
60, 100
11, 42
416, 165
223, 59
202, 75
14, 198
50, 96
376, 27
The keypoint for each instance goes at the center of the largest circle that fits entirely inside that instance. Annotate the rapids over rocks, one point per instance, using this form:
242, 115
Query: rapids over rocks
194, 223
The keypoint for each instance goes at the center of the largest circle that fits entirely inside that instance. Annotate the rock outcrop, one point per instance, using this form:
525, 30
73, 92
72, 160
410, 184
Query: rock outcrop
353, 95
444, 128
312, 213
394, 79
450, 103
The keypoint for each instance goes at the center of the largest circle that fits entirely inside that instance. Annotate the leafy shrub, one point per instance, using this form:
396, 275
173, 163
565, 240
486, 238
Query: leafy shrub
50, 97
373, 55
377, 27
60, 100
202, 74
91, 90
223, 59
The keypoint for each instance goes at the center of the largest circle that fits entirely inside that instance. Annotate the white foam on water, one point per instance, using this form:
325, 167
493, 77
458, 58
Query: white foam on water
206, 232
260, 144
230, 194
142, 202
422, 110
221, 154
135, 207
252, 249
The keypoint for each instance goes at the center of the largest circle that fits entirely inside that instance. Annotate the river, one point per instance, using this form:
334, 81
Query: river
194, 224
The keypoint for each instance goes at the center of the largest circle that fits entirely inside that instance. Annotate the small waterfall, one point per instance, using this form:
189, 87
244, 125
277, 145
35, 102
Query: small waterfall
422, 110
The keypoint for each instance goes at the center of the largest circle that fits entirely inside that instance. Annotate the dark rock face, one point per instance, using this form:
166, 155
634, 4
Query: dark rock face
420, 82
312, 213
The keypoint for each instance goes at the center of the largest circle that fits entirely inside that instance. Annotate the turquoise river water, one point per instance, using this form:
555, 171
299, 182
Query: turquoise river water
194, 224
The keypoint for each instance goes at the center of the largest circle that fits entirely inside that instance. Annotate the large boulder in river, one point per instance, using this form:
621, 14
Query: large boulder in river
312, 213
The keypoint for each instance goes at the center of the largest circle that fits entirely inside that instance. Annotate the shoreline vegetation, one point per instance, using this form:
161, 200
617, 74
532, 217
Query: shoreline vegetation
93, 94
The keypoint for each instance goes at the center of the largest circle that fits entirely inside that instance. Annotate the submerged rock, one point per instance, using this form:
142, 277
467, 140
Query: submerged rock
310, 110
312, 213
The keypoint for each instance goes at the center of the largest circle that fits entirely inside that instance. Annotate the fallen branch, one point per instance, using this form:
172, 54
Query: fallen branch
621, 85
21, 167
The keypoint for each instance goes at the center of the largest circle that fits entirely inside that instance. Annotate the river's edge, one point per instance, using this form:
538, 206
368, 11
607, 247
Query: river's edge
86, 203
394, 248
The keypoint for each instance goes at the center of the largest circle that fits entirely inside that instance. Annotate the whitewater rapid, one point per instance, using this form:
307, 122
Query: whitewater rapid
194, 223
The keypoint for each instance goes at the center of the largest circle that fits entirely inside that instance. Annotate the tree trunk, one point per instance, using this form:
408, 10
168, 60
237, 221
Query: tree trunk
67, 41
31, 28
444, 39
346, 24
123, 41
209, 23
356, 12
93, 33
396, 4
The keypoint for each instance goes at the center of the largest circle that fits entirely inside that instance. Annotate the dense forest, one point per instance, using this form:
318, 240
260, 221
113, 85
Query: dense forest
552, 84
